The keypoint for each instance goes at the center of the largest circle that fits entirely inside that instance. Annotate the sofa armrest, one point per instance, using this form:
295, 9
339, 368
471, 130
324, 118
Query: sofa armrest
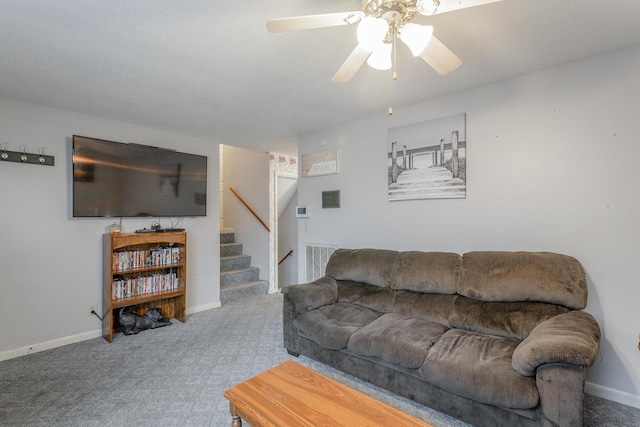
571, 338
312, 295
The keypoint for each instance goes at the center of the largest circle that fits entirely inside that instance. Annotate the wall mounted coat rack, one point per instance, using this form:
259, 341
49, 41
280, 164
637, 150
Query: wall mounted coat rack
23, 157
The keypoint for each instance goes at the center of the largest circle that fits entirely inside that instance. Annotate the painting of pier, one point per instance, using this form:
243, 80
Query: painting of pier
427, 160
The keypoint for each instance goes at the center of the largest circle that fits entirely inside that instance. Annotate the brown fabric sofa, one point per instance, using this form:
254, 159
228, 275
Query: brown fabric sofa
492, 338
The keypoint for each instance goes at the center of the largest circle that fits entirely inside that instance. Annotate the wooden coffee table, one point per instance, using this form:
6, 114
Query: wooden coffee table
293, 395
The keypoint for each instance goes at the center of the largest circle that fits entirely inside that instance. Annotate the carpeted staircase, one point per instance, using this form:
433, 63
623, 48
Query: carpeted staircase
238, 279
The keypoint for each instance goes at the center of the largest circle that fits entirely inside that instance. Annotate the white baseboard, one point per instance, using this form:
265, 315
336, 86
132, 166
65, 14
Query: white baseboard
59, 342
192, 310
48, 345
613, 395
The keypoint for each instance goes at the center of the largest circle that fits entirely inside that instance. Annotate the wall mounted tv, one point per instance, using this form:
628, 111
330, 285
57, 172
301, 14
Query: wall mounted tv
113, 179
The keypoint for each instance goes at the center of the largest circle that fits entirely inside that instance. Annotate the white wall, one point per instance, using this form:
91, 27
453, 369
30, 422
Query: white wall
247, 172
50, 263
552, 165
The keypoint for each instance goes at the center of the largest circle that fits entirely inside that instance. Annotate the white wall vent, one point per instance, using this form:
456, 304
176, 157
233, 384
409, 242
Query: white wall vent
317, 256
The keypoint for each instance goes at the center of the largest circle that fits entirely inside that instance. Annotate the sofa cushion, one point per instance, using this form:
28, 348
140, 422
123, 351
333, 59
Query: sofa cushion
428, 307
373, 297
478, 367
524, 276
513, 320
397, 339
428, 272
332, 325
371, 266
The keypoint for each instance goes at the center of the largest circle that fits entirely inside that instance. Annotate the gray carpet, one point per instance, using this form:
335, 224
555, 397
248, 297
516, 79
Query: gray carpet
176, 375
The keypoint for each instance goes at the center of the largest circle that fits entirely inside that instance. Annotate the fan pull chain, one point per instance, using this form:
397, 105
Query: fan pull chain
394, 77
394, 73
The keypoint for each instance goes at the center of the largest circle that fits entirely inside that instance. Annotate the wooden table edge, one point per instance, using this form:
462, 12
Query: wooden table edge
255, 419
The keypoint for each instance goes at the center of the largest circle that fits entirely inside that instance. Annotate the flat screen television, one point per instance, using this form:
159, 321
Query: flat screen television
114, 179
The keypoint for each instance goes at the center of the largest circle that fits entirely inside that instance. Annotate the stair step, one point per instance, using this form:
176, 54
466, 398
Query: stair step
235, 262
238, 277
230, 249
238, 280
227, 238
245, 290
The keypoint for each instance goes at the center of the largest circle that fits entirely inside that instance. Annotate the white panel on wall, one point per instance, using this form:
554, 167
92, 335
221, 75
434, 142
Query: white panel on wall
316, 258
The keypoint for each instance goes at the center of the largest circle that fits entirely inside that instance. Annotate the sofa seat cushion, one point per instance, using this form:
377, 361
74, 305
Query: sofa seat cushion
478, 367
332, 325
397, 339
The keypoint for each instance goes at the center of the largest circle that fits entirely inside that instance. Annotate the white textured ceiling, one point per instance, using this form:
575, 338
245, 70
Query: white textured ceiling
210, 69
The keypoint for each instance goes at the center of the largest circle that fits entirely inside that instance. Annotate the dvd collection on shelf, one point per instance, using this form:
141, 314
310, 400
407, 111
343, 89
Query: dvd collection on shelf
128, 286
138, 286
132, 260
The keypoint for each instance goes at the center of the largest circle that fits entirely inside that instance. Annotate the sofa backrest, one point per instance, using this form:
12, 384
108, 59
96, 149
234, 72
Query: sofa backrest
426, 272
523, 276
483, 276
500, 293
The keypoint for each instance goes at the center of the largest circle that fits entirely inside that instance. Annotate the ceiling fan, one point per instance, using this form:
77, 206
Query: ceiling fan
380, 24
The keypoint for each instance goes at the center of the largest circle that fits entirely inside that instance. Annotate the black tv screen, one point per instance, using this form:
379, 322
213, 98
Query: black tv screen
113, 179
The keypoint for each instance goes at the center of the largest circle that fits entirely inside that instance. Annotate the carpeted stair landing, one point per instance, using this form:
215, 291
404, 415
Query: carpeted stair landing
238, 279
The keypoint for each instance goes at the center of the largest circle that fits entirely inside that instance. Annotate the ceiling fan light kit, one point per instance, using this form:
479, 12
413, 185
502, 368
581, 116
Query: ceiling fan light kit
372, 32
380, 58
380, 23
416, 37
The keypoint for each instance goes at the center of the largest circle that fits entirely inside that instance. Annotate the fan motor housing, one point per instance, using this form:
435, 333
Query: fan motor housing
398, 12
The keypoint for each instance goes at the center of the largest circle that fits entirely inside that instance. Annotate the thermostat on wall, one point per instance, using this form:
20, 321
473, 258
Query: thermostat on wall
302, 212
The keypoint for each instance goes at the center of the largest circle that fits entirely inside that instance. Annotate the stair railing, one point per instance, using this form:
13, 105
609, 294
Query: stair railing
250, 210
286, 256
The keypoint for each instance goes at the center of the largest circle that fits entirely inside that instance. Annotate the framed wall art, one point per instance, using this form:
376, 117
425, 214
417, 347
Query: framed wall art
320, 163
331, 199
428, 160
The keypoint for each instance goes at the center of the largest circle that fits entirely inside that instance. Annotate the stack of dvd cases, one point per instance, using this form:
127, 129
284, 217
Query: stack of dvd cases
126, 287
132, 260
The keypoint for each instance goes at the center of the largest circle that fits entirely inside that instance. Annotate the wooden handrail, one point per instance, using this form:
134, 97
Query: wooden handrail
250, 210
286, 256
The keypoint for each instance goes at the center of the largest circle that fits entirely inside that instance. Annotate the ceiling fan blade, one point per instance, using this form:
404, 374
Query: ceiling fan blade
451, 5
313, 21
351, 66
440, 57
